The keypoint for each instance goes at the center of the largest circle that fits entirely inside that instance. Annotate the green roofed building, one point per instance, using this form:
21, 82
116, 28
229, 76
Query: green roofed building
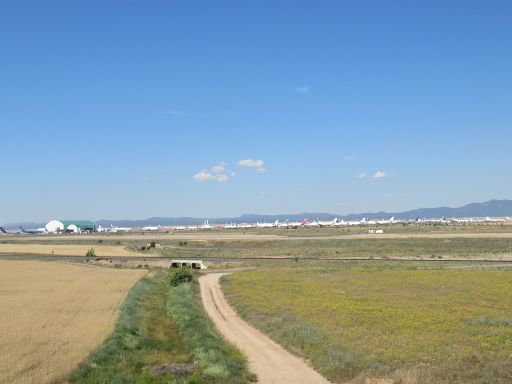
74, 226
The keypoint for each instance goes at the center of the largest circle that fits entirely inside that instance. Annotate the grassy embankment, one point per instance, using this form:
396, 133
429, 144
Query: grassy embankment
346, 248
409, 326
160, 325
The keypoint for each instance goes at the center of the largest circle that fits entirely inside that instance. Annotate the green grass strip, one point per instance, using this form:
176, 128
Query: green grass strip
160, 324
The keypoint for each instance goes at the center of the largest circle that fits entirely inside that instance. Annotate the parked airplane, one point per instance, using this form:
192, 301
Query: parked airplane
299, 224
343, 223
331, 223
267, 225
38, 231
8, 233
119, 229
151, 228
206, 225
390, 221
284, 224
313, 224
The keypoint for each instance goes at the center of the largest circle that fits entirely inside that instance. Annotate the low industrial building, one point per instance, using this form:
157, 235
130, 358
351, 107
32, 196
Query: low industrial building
72, 226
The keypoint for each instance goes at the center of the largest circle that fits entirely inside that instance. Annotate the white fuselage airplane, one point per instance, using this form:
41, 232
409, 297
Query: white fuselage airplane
206, 225
391, 220
151, 228
331, 223
299, 224
283, 224
120, 229
267, 225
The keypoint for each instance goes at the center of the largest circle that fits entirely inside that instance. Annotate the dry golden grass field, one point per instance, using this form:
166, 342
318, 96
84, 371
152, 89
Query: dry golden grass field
66, 249
53, 315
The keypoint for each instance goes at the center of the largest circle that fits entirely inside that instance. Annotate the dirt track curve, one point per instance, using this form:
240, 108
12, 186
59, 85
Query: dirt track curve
270, 362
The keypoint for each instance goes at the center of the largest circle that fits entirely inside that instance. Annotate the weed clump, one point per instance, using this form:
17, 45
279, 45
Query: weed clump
90, 253
182, 275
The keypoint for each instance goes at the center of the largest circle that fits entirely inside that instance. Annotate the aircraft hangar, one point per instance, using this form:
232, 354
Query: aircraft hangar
74, 226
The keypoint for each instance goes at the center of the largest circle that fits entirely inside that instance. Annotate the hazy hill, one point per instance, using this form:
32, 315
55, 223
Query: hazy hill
492, 208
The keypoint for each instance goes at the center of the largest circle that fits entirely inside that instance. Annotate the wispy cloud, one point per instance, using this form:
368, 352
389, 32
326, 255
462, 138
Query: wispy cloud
376, 175
220, 168
304, 89
349, 158
380, 175
216, 173
255, 164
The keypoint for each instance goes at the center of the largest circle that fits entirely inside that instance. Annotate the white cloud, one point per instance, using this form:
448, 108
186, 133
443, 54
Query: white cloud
350, 158
376, 175
219, 168
215, 174
304, 89
380, 175
256, 164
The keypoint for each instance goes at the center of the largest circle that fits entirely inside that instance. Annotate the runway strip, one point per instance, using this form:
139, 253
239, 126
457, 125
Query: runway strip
269, 361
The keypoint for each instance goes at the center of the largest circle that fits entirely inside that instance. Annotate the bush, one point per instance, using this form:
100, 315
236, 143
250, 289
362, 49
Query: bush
182, 275
90, 253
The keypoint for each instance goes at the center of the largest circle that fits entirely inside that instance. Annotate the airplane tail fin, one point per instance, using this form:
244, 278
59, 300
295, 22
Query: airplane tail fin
2, 230
304, 222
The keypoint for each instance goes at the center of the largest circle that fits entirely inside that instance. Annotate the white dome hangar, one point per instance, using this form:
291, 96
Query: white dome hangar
74, 226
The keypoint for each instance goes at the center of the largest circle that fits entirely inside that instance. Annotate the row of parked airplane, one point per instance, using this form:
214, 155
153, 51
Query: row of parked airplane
339, 223
38, 231
284, 224
306, 223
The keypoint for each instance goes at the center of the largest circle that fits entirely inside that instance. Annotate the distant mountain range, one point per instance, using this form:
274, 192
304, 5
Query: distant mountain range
491, 208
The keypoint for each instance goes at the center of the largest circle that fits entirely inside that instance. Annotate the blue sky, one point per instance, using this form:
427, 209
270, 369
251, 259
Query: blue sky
131, 109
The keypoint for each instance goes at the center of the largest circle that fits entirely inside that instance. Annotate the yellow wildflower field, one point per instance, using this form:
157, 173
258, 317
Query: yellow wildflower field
436, 325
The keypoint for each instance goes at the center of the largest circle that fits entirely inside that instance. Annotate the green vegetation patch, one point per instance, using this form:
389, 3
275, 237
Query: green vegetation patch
160, 326
427, 248
439, 326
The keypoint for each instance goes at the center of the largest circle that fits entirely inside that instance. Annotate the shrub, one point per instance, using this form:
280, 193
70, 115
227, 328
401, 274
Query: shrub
182, 275
90, 253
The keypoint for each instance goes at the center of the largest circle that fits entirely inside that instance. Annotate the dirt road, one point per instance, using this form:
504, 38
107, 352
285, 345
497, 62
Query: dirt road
270, 362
